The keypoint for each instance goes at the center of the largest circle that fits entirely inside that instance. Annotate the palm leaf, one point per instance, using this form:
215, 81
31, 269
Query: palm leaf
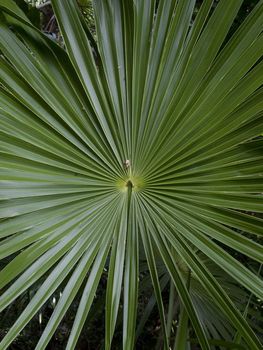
154, 141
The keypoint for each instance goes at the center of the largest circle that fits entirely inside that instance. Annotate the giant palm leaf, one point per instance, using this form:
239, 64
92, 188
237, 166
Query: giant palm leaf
150, 140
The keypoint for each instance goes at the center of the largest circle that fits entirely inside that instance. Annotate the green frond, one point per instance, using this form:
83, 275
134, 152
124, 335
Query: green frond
141, 150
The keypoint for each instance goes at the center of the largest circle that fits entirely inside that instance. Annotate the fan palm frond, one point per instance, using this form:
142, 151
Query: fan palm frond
152, 143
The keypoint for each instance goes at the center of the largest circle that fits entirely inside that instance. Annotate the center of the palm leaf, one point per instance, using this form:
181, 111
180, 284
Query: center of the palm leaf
129, 184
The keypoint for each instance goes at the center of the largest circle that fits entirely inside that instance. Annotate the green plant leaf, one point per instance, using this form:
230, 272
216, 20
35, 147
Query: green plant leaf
135, 156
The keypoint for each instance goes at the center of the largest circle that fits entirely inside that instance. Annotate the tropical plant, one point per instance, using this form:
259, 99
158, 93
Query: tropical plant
147, 143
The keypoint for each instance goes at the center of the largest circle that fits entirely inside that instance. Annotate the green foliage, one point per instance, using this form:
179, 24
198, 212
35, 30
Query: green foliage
137, 152
30, 11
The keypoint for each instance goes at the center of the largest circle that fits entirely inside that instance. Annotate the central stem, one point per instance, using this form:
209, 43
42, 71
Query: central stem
130, 186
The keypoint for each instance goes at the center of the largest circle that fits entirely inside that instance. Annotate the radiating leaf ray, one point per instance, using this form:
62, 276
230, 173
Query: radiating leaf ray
131, 278
115, 277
